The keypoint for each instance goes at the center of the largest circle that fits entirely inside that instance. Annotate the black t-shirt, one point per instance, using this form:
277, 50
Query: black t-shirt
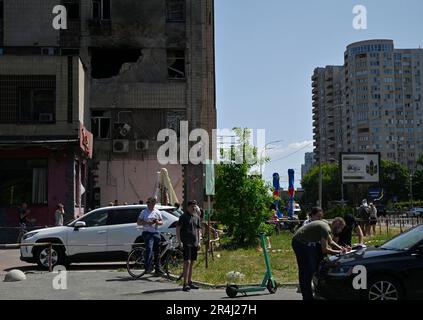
345, 238
189, 224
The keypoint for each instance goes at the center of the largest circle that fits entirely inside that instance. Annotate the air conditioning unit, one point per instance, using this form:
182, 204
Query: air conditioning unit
45, 117
125, 130
141, 145
120, 146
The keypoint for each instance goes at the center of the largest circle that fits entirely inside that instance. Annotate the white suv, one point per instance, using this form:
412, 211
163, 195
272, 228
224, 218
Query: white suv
102, 235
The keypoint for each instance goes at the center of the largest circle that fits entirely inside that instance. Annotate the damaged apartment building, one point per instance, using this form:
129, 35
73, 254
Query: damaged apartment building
122, 70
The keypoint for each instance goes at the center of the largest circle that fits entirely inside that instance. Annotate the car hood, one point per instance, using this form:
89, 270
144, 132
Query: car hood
50, 231
360, 256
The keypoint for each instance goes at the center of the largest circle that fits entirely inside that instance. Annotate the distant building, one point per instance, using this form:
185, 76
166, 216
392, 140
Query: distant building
308, 163
373, 103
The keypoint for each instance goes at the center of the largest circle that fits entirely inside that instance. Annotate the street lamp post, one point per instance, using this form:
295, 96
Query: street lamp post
342, 185
261, 154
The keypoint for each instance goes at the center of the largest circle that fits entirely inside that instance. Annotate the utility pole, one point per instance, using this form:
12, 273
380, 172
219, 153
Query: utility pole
411, 190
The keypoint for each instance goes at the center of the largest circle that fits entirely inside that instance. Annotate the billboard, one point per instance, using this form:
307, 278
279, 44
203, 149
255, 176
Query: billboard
360, 167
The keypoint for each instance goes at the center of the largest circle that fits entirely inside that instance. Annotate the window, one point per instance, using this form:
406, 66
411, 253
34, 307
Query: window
101, 9
96, 219
175, 10
37, 105
176, 64
72, 10
100, 125
123, 216
23, 181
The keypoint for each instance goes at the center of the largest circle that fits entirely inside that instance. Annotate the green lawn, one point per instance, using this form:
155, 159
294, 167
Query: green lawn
250, 262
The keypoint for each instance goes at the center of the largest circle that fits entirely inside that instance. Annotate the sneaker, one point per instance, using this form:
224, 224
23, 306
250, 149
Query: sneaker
159, 273
193, 286
186, 288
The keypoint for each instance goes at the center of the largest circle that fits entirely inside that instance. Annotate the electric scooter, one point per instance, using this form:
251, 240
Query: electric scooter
268, 282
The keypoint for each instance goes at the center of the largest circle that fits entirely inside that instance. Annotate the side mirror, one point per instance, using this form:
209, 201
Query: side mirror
79, 224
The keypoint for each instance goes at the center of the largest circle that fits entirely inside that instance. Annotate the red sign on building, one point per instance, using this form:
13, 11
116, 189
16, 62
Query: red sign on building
86, 141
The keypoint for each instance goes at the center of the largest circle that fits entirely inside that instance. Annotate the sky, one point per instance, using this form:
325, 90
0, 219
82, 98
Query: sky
266, 52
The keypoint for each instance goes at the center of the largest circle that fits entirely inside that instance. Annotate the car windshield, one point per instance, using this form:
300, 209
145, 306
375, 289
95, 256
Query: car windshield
406, 240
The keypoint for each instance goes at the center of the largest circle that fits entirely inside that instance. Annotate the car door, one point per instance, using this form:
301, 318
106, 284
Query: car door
415, 272
123, 230
91, 239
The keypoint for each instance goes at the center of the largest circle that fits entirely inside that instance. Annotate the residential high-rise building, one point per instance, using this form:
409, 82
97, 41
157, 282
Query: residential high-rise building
381, 105
327, 110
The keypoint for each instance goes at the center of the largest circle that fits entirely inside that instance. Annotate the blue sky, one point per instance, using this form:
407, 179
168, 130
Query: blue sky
266, 52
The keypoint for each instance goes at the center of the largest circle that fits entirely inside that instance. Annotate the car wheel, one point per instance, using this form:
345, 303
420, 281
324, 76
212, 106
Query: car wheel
384, 288
42, 256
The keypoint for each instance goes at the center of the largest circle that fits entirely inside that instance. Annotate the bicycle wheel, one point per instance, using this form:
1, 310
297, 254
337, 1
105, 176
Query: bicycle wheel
135, 263
174, 264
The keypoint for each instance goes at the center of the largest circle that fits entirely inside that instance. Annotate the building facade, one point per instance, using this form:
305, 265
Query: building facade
381, 105
308, 163
122, 70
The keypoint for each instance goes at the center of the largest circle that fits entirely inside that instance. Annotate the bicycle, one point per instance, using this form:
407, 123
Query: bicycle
171, 258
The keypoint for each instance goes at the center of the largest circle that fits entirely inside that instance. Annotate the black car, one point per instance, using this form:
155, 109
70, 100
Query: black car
394, 271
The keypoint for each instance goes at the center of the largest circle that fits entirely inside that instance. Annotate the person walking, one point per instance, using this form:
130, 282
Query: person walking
59, 215
364, 216
305, 247
188, 232
23, 219
150, 219
372, 219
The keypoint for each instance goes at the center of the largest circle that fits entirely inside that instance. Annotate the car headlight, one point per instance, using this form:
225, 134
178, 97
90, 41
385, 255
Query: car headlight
29, 235
340, 271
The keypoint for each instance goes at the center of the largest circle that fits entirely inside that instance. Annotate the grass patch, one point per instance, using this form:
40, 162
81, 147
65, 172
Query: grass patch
250, 262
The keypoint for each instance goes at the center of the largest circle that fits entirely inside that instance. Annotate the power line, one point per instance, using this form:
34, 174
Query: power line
291, 154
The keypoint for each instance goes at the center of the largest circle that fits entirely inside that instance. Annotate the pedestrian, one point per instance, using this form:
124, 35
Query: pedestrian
141, 202
372, 219
315, 214
23, 220
59, 215
116, 203
344, 239
178, 211
364, 217
150, 219
111, 204
188, 233
305, 245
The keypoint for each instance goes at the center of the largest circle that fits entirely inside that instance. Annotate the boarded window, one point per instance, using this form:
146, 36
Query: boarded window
176, 64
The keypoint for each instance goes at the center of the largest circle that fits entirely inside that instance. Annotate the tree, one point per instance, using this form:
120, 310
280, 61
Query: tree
394, 180
418, 180
242, 199
331, 185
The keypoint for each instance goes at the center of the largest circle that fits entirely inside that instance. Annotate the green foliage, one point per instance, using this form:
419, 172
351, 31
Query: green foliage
242, 199
394, 180
338, 211
331, 184
418, 180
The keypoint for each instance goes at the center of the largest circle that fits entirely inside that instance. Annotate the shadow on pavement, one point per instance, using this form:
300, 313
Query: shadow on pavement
73, 267
162, 291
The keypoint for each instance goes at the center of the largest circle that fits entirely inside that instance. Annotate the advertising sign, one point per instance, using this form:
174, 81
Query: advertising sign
360, 167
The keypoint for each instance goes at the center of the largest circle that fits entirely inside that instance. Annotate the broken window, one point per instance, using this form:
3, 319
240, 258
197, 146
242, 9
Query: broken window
101, 9
106, 63
100, 125
72, 9
175, 10
176, 64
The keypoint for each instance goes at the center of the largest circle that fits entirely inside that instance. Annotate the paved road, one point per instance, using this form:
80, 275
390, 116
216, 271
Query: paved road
102, 281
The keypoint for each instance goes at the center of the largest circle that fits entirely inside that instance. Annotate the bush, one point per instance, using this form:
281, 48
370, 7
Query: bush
339, 211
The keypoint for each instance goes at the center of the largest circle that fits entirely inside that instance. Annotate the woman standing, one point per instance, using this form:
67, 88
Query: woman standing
59, 215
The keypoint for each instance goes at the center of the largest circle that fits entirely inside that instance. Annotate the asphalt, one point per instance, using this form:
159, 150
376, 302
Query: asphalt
107, 282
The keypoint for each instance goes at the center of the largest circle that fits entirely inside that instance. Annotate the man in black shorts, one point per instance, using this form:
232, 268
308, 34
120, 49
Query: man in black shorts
188, 231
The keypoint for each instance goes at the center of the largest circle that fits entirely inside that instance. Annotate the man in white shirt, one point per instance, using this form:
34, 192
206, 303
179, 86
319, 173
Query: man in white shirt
150, 219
